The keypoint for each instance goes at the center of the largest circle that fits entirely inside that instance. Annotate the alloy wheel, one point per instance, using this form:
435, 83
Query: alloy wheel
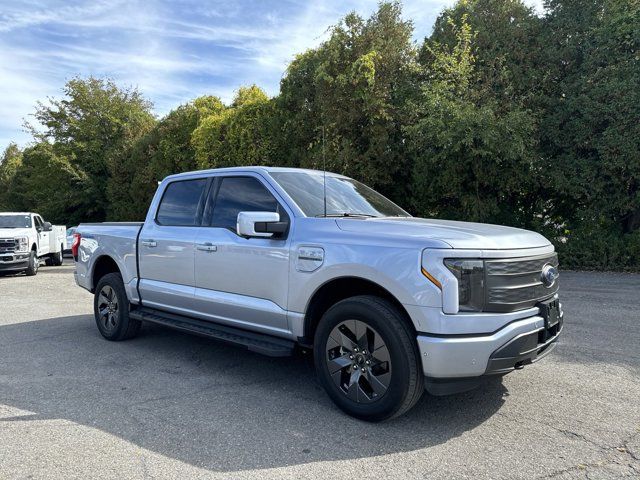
358, 361
108, 307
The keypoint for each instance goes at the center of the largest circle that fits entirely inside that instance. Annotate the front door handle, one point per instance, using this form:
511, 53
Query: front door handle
207, 247
149, 243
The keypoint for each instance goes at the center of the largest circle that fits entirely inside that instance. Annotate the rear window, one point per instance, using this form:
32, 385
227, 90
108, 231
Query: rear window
179, 204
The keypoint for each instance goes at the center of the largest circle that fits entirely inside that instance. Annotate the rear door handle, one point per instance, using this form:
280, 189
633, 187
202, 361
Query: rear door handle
149, 243
207, 247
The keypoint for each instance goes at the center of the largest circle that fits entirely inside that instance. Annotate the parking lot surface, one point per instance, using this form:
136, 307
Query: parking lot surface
170, 405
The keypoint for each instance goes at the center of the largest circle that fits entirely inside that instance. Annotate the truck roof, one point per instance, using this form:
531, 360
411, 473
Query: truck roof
254, 169
17, 213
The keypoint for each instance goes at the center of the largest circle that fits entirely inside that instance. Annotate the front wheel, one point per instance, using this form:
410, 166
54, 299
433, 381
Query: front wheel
367, 358
111, 309
34, 263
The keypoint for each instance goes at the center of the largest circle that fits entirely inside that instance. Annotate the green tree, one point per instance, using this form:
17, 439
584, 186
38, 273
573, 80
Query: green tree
91, 127
351, 91
506, 47
246, 133
165, 150
9, 164
590, 131
500, 115
48, 184
472, 159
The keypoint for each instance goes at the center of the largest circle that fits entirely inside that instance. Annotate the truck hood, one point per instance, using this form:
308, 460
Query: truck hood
14, 232
464, 235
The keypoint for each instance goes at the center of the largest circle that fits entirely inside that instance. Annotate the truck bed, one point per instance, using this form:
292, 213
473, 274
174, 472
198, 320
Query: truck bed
116, 240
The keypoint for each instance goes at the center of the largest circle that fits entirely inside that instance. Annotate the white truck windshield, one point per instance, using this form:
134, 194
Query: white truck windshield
15, 221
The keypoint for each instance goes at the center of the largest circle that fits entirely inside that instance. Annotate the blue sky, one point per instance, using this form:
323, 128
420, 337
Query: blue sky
173, 51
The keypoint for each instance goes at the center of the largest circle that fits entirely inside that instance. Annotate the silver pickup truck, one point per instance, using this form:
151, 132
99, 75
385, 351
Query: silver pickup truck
275, 258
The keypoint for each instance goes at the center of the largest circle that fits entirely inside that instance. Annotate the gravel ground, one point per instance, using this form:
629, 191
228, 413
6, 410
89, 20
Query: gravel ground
170, 405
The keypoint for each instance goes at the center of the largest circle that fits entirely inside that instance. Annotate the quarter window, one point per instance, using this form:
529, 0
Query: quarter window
180, 202
241, 194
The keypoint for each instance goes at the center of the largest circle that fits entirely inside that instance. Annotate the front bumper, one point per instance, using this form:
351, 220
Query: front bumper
15, 261
464, 356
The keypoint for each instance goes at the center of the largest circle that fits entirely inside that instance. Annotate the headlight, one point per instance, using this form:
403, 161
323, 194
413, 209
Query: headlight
23, 244
470, 275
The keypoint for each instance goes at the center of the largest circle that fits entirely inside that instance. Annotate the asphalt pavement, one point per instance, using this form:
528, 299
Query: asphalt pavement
170, 405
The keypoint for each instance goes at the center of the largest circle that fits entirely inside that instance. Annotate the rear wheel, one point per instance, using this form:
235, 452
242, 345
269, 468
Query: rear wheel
367, 359
34, 263
111, 309
56, 258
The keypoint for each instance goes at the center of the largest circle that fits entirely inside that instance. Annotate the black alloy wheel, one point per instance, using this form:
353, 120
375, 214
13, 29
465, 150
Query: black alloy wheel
358, 361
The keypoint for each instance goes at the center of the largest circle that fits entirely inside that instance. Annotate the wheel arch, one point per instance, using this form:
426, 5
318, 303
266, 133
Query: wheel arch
337, 289
103, 265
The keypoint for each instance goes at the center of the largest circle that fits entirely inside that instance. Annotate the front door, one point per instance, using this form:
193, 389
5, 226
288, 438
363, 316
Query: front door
166, 247
241, 281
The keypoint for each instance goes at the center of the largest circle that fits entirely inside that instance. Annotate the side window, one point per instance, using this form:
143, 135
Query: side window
241, 194
38, 221
180, 202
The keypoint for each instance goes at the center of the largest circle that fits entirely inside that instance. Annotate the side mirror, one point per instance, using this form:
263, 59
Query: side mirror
46, 226
260, 224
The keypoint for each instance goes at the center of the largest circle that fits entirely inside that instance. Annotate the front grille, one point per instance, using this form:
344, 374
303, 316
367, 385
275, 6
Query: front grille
8, 245
516, 283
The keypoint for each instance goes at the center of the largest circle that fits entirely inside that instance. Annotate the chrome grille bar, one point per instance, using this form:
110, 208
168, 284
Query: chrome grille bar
8, 245
516, 283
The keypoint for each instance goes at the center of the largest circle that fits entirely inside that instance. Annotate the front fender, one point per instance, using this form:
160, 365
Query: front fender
397, 270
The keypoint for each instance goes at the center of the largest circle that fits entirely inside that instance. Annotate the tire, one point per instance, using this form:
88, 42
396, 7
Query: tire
392, 382
56, 258
111, 309
34, 263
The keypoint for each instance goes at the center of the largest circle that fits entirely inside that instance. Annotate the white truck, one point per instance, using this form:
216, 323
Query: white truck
26, 240
274, 258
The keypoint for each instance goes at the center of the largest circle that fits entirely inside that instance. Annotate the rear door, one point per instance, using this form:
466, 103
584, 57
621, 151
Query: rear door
242, 281
166, 246
43, 237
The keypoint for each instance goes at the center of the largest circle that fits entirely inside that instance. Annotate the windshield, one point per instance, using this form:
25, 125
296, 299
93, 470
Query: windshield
71, 231
15, 221
345, 196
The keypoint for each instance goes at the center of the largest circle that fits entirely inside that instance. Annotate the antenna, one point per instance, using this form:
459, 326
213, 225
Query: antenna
324, 174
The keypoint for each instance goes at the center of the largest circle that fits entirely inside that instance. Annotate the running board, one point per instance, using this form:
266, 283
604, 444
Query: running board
256, 342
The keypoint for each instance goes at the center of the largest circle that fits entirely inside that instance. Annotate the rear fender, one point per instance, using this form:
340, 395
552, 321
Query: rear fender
121, 250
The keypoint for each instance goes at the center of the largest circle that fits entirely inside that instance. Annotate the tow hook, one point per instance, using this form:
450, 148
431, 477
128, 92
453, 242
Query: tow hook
519, 366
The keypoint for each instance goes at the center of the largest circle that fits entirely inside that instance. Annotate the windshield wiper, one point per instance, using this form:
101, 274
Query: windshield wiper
347, 214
